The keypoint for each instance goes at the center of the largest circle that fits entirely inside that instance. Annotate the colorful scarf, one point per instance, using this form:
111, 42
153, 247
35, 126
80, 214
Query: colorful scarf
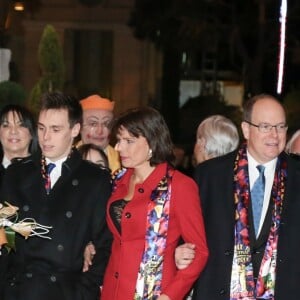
149, 279
44, 173
242, 284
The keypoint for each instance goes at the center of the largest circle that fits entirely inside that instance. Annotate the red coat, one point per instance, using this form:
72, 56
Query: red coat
127, 249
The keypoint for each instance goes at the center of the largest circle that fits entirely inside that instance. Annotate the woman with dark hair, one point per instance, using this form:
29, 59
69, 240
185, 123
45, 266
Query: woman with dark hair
95, 154
17, 140
152, 206
17, 134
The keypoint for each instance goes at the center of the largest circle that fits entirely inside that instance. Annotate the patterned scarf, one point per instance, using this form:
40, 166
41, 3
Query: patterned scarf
44, 173
149, 280
242, 284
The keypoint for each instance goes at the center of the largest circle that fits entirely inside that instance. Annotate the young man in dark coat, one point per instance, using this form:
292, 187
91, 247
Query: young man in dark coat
254, 250
72, 199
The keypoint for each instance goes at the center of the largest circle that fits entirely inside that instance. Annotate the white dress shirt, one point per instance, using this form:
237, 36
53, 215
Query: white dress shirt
56, 172
269, 179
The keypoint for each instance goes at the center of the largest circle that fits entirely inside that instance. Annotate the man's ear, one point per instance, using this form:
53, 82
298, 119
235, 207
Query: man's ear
245, 129
76, 130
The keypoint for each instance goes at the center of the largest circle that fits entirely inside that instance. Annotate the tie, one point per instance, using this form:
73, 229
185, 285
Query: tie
49, 169
257, 197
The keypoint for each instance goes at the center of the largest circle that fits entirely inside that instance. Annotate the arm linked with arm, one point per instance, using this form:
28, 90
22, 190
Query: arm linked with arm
189, 216
101, 238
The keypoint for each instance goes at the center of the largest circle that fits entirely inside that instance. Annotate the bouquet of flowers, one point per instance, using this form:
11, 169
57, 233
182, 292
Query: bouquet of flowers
9, 225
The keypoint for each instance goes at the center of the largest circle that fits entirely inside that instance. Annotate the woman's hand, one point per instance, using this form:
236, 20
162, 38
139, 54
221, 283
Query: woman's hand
88, 255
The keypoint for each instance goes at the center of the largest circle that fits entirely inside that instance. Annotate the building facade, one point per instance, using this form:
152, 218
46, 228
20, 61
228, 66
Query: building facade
101, 53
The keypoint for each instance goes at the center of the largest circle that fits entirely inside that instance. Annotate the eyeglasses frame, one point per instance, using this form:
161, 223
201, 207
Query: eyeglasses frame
278, 129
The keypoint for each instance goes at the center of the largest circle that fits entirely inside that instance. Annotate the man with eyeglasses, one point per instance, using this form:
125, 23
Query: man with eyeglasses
97, 118
251, 206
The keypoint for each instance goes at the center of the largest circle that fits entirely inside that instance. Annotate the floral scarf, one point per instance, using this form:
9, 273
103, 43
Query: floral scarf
242, 284
149, 279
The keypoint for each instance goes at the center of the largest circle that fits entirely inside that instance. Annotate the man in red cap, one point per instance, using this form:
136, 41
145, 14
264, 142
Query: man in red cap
97, 118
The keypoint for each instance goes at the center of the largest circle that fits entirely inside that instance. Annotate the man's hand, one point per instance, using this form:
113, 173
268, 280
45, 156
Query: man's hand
184, 255
88, 255
163, 297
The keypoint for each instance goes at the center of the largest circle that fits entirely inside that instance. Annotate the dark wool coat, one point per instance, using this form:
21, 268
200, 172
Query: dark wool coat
215, 180
51, 269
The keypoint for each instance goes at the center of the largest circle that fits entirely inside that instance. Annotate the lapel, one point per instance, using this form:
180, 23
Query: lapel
265, 230
67, 170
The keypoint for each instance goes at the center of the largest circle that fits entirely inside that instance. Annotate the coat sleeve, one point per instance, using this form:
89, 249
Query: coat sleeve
5, 258
101, 238
188, 216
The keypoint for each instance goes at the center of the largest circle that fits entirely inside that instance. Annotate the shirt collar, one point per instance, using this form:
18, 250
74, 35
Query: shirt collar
270, 165
58, 163
5, 162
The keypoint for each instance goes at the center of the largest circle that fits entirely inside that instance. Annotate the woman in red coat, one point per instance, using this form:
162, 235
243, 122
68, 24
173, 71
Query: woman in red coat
152, 206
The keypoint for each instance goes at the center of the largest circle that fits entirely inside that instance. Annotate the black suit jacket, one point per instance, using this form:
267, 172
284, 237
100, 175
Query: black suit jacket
215, 180
75, 207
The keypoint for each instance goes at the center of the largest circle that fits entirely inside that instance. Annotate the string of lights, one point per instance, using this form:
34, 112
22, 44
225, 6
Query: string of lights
282, 19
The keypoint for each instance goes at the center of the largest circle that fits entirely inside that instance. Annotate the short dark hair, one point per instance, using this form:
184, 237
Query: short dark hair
149, 123
248, 105
58, 100
85, 148
27, 119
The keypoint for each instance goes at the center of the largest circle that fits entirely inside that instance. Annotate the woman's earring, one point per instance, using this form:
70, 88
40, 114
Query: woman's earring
150, 153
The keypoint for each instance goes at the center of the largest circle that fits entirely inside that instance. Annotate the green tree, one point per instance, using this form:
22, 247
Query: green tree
50, 58
11, 93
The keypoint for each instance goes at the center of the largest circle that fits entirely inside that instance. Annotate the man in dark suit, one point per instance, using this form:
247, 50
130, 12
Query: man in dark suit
71, 199
254, 252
